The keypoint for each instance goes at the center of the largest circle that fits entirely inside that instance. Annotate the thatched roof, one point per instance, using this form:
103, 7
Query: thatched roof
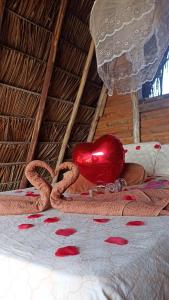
26, 34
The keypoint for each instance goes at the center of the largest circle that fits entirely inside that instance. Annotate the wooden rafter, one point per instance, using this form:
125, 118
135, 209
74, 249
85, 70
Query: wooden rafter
98, 113
38, 94
76, 104
2, 7
136, 118
48, 74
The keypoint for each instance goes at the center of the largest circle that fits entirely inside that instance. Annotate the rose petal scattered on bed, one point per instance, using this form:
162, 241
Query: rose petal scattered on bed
51, 220
135, 223
101, 220
129, 197
31, 194
66, 251
100, 193
85, 194
66, 231
35, 216
138, 147
148, 179
116, 240
157, 146
25, 226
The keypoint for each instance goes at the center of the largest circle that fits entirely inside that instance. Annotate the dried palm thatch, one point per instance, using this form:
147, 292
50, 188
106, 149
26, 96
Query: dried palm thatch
91, 94
25, 44
85, 114
25, 36
70, 58
13, 152
57, 110
76, 32
40, 12
48, 151
10, 186
69, 150
16, 129
26, 72
63, 86
79, 133
44, 173
93, 75
52, 132
11, 173
17, 102
81, 9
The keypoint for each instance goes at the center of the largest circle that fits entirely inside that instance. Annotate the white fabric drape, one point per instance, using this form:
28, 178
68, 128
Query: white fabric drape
131, 37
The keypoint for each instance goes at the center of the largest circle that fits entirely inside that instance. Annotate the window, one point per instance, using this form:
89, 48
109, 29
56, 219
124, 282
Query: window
160, 84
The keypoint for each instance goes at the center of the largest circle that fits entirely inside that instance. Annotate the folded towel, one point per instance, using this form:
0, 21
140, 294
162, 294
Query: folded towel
134, 203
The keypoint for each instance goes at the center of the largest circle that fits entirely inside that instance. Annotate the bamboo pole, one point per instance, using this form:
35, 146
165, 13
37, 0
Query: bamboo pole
98, 113
48, 74
136, 118
76, 104
2, 7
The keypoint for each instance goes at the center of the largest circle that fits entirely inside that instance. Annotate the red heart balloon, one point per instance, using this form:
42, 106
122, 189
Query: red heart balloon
101, 161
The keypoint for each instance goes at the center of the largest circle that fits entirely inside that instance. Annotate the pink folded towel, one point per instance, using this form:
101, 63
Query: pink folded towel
134, 203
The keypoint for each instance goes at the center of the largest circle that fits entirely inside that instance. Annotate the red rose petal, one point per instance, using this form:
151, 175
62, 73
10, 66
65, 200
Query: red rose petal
25, 226
101, 220
66, 251
157, 146
138, 147
116, 240
85, 194
135, 223
31, 194
66, 231
129, 197
147, 179
51, 220
35, 216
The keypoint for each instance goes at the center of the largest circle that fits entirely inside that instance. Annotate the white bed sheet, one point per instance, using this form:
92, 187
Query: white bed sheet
29, 270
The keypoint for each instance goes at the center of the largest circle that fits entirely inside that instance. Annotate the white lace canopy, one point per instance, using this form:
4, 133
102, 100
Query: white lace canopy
131, 37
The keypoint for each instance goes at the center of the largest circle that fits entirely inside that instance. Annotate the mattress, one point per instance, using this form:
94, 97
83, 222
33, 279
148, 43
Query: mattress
137, 269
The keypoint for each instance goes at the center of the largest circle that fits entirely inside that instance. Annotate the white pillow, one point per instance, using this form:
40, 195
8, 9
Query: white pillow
144, 154
162, 164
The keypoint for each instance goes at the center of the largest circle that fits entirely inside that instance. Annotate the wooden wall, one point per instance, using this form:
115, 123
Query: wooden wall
155, 120
117, 119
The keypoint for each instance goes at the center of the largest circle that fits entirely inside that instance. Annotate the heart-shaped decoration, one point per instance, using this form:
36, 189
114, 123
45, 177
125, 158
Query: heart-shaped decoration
102, 161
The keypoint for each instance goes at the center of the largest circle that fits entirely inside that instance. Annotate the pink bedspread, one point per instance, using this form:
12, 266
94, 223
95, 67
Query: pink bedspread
153, 183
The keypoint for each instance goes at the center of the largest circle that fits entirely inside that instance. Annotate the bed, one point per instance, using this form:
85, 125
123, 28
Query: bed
138, 269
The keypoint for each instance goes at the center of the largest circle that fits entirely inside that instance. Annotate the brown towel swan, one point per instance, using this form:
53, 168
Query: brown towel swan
14, 205
125, 203
129, 203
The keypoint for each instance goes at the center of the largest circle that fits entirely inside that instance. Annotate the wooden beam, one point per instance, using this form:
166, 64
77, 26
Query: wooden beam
98, 113
154, 104
76, 104
136, 118
2, 7
48, 74
78, 77
38, 94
